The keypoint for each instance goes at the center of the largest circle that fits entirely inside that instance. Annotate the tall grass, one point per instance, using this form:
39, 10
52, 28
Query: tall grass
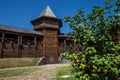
17, 62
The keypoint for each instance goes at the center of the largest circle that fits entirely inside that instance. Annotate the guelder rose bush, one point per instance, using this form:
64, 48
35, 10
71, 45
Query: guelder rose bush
97, 35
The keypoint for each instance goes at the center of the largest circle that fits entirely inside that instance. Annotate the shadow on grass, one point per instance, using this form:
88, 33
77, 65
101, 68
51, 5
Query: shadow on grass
63, 73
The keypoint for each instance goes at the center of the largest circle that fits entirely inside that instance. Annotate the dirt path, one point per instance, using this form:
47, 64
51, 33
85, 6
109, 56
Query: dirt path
45, 72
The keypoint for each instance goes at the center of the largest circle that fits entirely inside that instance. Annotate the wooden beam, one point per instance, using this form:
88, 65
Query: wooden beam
21, 46
2, 47
18, 46
35, 46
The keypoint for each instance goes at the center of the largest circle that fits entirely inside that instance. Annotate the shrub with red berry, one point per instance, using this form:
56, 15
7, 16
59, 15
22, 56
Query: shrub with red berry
97, 36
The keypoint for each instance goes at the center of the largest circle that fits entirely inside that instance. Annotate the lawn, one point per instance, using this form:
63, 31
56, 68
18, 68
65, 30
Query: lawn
63, 73
16, 72
18, 62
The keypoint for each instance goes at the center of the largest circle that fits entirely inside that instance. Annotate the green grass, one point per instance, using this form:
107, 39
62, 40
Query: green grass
61, 71
17, 62
16, 72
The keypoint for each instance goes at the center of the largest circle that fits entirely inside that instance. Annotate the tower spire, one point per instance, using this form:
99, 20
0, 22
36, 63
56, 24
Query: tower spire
47, 12
48, 18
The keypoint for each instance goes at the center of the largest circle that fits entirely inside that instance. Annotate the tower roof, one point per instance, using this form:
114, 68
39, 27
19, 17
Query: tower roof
47, 12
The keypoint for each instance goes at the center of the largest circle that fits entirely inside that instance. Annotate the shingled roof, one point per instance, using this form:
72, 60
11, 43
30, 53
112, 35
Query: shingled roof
47, 12
18, 30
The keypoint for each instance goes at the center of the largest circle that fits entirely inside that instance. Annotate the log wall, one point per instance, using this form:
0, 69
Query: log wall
13, 45
67, 46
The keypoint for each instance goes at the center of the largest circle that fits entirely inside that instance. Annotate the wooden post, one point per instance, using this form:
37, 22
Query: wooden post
21, 46
65, 46
35, 46
2, 47
18, 46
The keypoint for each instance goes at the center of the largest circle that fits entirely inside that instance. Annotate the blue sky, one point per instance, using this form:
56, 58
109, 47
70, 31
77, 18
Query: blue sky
19, 13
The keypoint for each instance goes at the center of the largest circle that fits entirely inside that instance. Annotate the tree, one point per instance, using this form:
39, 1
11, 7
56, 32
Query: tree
97, 34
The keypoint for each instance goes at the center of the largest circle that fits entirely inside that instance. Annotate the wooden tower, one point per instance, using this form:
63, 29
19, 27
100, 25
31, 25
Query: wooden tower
49, 25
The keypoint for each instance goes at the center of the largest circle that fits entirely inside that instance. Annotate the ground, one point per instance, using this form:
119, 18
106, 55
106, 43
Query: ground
46, 72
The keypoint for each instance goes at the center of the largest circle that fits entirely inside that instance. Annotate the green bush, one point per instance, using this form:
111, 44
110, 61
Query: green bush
97, 36
104, 67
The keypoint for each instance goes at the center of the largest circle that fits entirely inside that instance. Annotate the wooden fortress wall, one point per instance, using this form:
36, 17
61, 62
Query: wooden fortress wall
12, 47
67, 46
